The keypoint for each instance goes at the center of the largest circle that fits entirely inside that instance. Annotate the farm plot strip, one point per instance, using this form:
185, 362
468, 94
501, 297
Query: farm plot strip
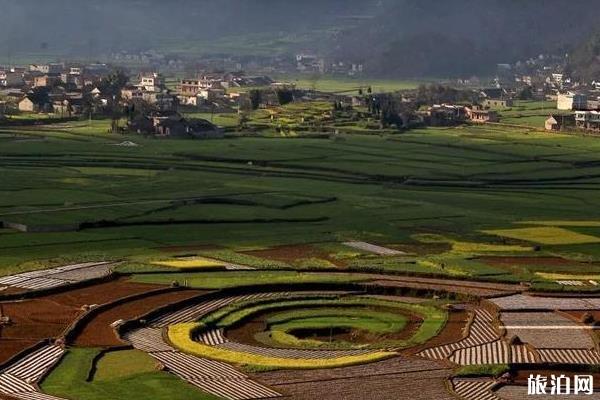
542, 303
214, 377
489, 353
195, 311
392, 379
20, 377
55, 277
546, 330
481, 332
520, 354
480, 289
34, 396
33, 367
147, 339
212, 337
291, 353
569, 356
474, 389
372, 248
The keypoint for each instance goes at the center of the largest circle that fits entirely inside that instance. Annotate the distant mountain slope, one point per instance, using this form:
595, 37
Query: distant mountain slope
585, 60
401, 38
443, 38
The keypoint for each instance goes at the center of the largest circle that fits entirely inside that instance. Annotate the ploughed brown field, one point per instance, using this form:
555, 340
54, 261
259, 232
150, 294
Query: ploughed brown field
452, 331
98, 332
49, 316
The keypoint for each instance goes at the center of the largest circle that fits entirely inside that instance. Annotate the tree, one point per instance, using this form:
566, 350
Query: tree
526, 93
255, 98
112, 86
285, 96
39, 95
242, 121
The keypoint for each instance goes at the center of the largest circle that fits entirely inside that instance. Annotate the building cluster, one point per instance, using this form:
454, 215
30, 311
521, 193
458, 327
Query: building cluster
217, 88
53, 88
311, 63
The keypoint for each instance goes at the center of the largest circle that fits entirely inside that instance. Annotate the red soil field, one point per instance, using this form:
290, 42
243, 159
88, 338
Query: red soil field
292, 253
99, 333
451, 333
49, 316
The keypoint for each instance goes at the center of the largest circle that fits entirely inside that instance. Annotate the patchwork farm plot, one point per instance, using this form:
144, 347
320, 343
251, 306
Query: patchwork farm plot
418, 265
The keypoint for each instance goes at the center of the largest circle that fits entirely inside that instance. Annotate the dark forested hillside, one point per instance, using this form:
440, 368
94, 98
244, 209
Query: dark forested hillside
584, 62
392, 37
442, 38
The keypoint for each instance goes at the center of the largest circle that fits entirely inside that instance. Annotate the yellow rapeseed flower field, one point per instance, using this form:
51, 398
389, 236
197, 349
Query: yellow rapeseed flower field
180, 335
473, 247
196, 262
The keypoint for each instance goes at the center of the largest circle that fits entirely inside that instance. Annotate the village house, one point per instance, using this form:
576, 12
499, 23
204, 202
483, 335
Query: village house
444, 115
571, 101
478, 115
70, 105
46, 80
497, 103
11, 79
309, 62
163, 100
195, 91
588, 120
54, 69
495, 98
173, 125
151, 82
558, 122
28, 105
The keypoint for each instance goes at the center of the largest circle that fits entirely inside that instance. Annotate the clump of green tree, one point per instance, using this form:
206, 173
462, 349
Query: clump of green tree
438, 94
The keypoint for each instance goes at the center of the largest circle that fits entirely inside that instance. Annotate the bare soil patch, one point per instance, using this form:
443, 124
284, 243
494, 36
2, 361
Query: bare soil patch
451, 333
102, 293
99, 333
49, 316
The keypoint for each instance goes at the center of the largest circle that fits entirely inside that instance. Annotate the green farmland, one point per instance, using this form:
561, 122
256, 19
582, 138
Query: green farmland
82, 196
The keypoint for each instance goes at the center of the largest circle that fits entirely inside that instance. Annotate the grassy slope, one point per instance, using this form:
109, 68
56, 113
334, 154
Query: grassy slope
218, 280
368, 320
68, 380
